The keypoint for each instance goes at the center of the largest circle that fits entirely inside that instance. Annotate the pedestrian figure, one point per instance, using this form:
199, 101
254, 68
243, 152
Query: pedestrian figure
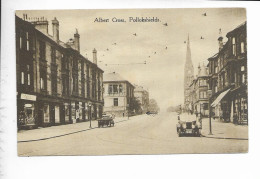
123, 114
77, 114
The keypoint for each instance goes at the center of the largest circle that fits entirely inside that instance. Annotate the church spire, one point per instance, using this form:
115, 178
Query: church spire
188, 53
188, 73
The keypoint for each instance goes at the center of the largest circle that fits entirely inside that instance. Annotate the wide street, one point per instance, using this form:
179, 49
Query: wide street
143, 134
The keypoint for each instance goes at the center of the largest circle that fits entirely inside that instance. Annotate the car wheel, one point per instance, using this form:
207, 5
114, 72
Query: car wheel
179, 133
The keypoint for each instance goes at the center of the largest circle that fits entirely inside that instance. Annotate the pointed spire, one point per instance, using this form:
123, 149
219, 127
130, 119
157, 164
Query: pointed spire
188, 43
188, 53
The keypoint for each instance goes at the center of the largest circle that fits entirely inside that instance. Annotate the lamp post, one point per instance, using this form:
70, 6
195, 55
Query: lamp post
209, 96
127, 111
90, 115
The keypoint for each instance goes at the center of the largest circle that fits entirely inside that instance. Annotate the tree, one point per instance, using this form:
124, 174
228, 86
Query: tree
136, 106
153, 106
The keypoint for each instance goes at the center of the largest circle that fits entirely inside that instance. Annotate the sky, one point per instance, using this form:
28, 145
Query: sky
163, 73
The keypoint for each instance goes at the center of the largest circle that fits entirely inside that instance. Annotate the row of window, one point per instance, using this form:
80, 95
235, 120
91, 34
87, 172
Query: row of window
115, 89
26, 39
234, 47
23, 79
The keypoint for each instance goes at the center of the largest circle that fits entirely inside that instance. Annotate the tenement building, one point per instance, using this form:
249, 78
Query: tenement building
118, 95
142, 96
55, 83
228, 78
198, 96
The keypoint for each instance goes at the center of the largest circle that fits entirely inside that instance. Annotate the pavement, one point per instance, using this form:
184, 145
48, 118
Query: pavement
220, 130
61, 130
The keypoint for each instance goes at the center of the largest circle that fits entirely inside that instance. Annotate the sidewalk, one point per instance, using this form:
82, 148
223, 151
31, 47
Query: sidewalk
58, 131
221, 130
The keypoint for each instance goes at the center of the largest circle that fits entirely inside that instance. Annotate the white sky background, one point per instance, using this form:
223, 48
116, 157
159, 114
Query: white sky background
164, 72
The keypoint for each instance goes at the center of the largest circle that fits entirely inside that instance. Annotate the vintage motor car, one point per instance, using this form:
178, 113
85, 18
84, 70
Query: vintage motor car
107, 119
188, 127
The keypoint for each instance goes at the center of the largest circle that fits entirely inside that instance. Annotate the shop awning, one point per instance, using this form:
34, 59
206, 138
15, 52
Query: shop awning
219, 98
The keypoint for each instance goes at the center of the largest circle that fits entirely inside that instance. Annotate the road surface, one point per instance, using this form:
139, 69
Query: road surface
144, 134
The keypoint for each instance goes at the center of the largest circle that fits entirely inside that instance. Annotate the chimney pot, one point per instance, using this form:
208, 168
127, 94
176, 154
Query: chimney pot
55, 29
95, 56
76, 41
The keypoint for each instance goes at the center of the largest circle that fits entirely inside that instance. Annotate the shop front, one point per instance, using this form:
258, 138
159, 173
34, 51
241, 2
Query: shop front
80, 111
67, 119
75, 111
26, 111
43, 114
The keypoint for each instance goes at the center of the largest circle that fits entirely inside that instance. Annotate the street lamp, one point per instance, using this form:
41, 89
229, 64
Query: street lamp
89, 105
127, 111
209, 96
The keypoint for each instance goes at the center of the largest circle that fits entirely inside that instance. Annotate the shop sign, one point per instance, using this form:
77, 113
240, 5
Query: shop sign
28, 97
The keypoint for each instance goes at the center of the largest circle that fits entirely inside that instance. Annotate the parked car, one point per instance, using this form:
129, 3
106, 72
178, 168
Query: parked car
191, 127
107, 119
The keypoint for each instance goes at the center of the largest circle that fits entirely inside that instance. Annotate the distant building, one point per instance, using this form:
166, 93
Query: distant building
228, 78
118, 95
142, 96
188, 77
199, 92
55, 83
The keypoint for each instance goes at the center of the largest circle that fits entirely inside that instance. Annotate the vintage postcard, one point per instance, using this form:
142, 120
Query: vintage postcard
131, 81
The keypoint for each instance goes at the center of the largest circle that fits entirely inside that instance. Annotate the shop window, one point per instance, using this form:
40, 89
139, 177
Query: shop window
57, 114
46, 112
26, 116
242, 46
234, 46
115, 101
22, 78
67, 112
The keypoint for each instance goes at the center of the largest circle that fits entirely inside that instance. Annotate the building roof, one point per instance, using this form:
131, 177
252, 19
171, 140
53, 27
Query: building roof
241, 26
114, 77
60, 43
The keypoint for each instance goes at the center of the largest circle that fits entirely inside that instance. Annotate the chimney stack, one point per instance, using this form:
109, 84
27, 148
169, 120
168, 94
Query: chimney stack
41, 25
55, 29
95, 56
76, 41
220, 40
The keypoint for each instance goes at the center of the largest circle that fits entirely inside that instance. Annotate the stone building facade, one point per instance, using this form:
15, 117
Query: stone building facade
228, 78
198, 96
55, 83
118, 95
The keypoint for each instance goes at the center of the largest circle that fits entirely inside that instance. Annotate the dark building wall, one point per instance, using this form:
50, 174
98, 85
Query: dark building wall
51, 81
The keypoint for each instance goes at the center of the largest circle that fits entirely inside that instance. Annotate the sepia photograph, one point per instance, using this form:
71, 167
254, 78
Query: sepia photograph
131, 81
